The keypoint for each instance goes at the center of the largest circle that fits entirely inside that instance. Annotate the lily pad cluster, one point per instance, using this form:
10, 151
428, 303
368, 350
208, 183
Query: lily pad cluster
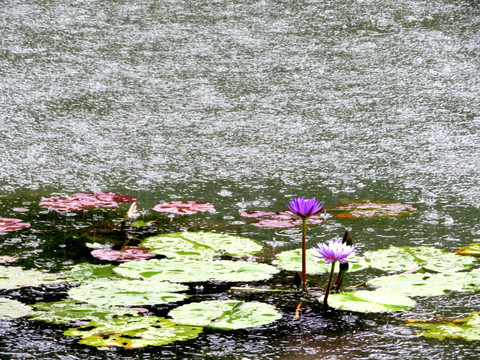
370, 209
83, 201
278, 219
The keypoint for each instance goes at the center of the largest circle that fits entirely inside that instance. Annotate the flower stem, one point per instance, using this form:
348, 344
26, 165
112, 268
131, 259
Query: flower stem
304, 258
327, 291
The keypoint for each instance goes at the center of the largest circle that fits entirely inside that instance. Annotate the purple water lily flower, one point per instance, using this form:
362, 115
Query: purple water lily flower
334, 251
304, 208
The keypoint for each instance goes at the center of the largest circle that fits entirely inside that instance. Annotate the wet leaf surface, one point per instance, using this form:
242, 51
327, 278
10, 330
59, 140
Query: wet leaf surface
9, 224
133, 332
467, 328
184, 207
406, 258
472, 249
225, 315
370, 301
196, 271
370, 209
10, 309
83, 201
13, 277
84, 273
129, 253
128, 292
200, 245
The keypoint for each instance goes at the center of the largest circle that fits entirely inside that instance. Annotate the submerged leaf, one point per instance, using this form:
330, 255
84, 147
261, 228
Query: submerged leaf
133, 332
12, 277
370, 301
370, 209
183, 207
200, 245
225, 315
71, 311
8, 224
10, 309
196, 271
128, 292
129, 253
406, 258
467, 327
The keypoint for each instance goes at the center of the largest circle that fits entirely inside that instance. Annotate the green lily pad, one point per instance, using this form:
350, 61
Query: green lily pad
467, 327
225, 315
406, 258
370, 301
10, 309
13, 277
196, 271
70, 311
472, 249
85, 273
200, 245
428, 284
370, 209
291, 260
133, 332
128, 292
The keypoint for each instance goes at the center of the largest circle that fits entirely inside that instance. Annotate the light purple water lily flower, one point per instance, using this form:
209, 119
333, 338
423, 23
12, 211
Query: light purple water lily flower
304, 208
334, 251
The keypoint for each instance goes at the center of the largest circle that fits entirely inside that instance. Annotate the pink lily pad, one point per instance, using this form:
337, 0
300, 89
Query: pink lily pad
183, 207
371, 209
82, 201
279, 219
8, 224
129, 253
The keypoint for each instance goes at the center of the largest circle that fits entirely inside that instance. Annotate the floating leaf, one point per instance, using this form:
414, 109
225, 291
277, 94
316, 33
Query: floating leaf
472, 249
85, 273
183, 207
82, 201
225, 315
370, 301
467, 327
70, 311
10, 309
406, 258
200, 245
279, 219
370, 209
196, 271
129, 253
291, 260
128, 292
7, 259
139, 223
12, 277
428, 284
8, 224
133, 332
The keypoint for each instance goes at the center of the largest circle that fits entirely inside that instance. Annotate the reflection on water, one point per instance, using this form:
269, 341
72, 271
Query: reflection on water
243, 105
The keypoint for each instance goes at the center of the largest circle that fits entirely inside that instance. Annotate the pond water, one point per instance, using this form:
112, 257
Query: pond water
243, 105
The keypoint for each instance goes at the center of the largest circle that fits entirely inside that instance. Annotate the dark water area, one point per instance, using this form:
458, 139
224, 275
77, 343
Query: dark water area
243, 105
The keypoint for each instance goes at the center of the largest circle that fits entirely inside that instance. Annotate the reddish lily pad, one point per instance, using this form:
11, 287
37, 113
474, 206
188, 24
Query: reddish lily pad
129, 253
472, 249
82, 201
371, 209
183, 207
8, 224
279, 219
